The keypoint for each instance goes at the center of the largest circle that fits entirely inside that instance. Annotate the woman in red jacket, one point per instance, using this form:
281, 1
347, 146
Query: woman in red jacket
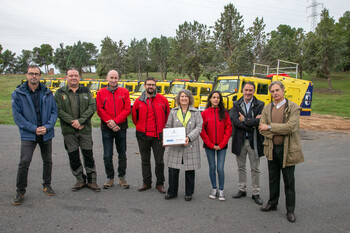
216, 132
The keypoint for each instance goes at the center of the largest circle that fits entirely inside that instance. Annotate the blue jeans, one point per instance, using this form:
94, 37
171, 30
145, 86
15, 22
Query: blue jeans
120, 142
221, 155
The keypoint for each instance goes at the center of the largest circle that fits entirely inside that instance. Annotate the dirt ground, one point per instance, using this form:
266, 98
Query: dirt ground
325, 123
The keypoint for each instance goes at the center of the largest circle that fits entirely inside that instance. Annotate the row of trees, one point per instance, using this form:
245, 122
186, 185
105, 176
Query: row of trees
226, 47
80, 55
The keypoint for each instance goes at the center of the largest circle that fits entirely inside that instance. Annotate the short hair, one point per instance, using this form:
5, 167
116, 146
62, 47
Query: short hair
113, 70
249, 83
72, 68
279, 83
189, 95
34, 66
150, 79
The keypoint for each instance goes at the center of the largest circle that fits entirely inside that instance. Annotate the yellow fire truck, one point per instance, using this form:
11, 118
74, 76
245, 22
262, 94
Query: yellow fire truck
175, 87
137, 93
162, 87
131, 86
231, 87
197, 89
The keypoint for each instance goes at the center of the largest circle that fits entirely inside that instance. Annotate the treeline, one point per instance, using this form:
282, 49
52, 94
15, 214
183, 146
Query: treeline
225, 47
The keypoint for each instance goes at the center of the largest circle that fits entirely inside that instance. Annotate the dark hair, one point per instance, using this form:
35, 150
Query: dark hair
222, 109
250, 83
72, 68
150, 79
34, 66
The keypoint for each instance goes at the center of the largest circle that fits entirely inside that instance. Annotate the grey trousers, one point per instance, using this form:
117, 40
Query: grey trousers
242, 171
72, 143
27, 150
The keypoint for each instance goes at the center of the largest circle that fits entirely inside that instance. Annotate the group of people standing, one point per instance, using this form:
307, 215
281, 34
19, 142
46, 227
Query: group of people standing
256, 130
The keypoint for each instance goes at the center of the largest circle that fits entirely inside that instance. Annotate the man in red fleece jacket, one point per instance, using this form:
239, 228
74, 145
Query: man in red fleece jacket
150, 114
113, 107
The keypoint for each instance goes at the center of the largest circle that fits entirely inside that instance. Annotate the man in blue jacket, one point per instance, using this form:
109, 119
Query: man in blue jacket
35, 113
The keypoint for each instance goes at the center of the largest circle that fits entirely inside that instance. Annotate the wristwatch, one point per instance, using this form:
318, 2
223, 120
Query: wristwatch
269, 128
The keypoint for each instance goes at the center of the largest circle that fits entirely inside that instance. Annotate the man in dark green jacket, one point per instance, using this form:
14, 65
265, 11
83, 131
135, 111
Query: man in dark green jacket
76, 106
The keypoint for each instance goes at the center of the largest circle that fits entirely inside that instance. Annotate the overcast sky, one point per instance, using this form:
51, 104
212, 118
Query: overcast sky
25, 24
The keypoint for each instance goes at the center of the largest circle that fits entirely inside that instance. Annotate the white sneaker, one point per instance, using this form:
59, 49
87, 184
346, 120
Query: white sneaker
221, 195
213, 194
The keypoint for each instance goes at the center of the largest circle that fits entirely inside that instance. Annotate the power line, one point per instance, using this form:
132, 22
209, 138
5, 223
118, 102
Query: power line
314, 13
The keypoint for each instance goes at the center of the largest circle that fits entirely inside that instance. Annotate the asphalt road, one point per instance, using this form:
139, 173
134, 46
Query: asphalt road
322, 185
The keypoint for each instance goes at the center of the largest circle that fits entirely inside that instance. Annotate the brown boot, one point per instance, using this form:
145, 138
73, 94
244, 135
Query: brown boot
109, 183
93, 186
160, 189
79, 185
122, 182
144, 187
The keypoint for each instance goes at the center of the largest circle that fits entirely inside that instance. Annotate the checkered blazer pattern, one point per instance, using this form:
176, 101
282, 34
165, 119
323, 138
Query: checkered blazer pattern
190, 154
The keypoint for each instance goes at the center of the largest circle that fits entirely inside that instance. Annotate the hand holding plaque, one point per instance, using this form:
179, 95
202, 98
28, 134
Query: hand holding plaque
174, 136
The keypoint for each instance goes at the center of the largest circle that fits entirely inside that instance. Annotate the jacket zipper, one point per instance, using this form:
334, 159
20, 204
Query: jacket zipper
215, 127
155, 117
115, 110
146, 117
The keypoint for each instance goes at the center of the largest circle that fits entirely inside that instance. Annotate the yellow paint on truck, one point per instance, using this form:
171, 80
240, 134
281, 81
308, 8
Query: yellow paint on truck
199, 89
137, 93
231, 88
175, 87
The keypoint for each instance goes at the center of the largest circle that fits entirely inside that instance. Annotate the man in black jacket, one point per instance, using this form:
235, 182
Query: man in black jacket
246, 140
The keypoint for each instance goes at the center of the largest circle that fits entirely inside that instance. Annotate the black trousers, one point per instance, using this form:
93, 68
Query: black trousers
145, 146
275, 168
27, 150
174, 182
119, 137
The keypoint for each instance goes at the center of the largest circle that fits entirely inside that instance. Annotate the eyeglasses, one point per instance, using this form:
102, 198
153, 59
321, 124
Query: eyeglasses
33, 74
151, 85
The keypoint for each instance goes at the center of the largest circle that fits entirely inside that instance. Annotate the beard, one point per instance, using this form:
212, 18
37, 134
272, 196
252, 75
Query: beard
150, 91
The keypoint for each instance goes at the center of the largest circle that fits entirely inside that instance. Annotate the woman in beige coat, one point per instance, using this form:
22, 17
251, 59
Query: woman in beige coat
188, 155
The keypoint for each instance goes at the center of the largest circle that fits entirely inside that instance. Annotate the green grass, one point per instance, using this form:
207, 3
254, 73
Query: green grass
8, 85
324, 102
336, 102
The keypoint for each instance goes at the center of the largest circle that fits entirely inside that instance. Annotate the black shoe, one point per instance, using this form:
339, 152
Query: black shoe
18, 199
168, 197
188, 198
257, 199
291, 217
240, 194
268, 207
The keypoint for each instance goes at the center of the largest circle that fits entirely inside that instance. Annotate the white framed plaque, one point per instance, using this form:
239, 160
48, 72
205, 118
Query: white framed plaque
174, 136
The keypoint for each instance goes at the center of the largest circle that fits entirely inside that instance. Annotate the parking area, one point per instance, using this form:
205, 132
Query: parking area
322, 185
